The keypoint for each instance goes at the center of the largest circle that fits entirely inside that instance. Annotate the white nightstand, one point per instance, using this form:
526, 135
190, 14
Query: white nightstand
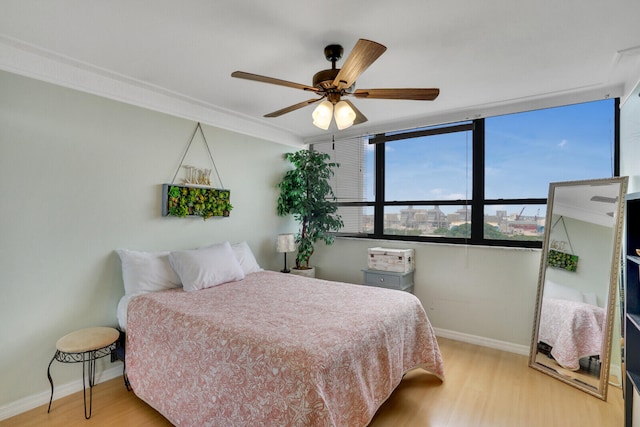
389, 280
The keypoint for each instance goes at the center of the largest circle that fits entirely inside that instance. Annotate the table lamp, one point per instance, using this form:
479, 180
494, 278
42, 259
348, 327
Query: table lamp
286, 243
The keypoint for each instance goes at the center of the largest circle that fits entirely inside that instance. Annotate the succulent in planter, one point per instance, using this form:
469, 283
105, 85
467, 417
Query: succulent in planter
306, 194
204, 202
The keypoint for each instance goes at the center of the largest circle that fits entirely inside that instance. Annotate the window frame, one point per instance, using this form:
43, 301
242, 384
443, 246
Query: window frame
477, 202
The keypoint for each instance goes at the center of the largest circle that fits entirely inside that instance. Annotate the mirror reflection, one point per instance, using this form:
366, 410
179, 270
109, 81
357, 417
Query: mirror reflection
577, 286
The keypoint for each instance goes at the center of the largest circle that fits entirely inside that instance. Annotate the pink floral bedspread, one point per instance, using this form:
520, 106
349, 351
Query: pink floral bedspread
275, 350
573, 329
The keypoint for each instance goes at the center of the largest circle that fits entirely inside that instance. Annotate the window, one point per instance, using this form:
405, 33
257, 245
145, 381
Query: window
427, 181
478, 182
353, 183
566, 143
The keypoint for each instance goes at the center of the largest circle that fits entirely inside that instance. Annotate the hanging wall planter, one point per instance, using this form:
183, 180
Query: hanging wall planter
563, 260
196, 197
183, 201
558, 257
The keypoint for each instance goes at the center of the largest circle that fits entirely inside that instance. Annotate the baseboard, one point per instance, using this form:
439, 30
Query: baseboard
614, 370
30, 402
482, 341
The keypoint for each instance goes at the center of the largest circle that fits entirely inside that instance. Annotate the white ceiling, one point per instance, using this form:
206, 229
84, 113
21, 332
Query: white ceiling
579, 200
487, 57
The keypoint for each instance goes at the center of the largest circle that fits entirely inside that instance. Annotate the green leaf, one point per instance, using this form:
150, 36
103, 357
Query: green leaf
306, 194
183, 201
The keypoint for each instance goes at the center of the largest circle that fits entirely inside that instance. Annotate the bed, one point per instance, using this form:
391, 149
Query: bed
572, 327
274, 349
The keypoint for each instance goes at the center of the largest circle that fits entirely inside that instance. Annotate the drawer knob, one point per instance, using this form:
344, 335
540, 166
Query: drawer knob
382, 279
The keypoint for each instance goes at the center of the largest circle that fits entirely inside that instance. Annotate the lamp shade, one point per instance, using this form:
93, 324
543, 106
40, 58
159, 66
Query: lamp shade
285, 243
344, 115
322, 115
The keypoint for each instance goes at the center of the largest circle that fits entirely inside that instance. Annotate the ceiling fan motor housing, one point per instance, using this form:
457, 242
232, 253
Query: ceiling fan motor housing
333, 52
324, 79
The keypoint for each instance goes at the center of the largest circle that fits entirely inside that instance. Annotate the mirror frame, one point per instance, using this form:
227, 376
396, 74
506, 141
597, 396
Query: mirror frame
601, 392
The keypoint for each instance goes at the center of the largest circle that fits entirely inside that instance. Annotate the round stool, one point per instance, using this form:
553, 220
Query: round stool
84, 345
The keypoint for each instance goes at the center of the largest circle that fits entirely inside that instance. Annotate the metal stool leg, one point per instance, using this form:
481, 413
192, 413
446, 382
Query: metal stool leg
51, 379
88, 365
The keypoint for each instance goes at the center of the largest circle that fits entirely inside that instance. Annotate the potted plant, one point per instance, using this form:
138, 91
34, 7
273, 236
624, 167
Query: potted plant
306, 194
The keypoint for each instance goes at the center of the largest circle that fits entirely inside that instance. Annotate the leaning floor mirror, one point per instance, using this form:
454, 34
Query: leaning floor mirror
578, 283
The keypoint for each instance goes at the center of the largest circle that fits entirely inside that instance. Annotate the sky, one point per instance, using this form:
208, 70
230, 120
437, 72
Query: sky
524, 153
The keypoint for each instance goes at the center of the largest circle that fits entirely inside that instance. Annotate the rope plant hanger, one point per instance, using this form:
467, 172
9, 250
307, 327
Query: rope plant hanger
196, 196
558, 257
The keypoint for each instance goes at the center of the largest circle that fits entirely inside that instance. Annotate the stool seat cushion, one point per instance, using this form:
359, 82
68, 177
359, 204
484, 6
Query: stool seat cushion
87, 339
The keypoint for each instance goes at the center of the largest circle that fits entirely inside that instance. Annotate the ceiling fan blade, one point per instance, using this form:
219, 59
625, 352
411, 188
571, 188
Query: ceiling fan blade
360, 118
293, 107
411, 94
364, 53
264, 79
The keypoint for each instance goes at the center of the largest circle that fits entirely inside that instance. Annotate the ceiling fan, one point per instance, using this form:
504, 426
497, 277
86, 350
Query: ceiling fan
333, 84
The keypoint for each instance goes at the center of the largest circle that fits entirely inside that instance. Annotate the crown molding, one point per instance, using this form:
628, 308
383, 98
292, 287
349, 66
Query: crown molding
31, 61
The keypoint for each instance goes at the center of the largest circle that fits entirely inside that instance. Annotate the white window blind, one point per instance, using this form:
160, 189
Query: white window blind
353, 180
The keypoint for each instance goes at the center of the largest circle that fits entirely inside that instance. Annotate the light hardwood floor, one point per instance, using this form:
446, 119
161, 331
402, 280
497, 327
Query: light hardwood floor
483, 387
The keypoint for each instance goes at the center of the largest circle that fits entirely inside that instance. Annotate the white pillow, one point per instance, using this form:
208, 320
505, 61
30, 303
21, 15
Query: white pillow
121, 310
147, 271
245, 257
553, 290
206, 267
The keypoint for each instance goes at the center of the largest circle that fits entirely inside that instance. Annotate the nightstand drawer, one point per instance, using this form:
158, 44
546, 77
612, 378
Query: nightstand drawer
381, 279
388, 279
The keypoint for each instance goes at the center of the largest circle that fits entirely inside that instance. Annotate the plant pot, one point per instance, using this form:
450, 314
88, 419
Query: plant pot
309, 272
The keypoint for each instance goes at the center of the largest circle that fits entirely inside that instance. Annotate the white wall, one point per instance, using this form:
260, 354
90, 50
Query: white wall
81, 176
630, 140
595, 260
480, 291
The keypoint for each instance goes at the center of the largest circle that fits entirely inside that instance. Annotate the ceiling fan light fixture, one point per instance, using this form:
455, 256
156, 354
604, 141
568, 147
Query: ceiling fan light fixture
344, 115
322, 115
